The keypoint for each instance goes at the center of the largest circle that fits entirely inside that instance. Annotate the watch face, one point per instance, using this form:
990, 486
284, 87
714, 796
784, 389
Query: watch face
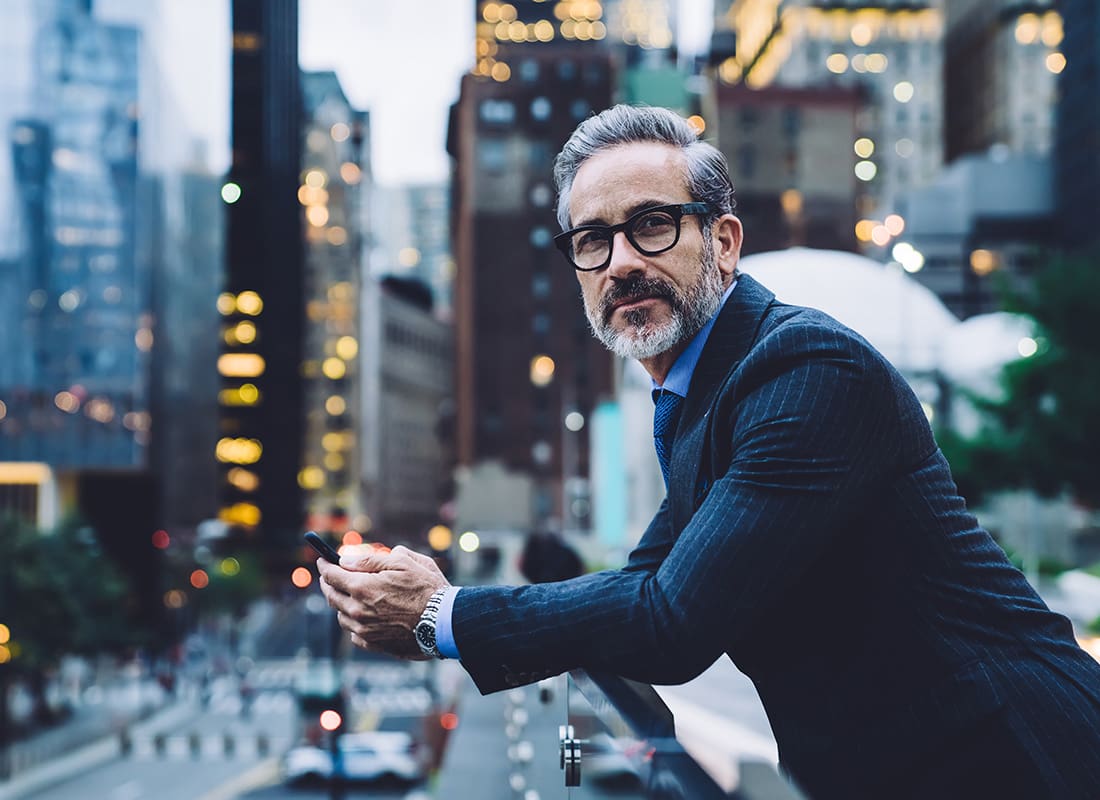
425, 636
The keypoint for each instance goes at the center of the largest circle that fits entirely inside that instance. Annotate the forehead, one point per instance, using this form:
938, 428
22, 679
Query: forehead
621, 178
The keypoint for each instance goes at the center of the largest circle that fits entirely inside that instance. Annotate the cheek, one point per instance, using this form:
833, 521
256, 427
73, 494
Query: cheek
590, 292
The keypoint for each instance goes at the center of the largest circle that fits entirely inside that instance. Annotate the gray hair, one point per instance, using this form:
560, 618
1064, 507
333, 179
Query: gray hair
708, 178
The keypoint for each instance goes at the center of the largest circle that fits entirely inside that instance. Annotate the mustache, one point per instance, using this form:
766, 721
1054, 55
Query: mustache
633, 289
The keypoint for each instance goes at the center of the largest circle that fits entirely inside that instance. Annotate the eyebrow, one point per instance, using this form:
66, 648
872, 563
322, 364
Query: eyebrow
632, 210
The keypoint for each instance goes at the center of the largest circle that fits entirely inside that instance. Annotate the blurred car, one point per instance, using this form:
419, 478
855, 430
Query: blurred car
367, 756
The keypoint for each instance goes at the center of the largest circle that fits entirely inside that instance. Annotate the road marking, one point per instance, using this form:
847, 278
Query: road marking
266, 773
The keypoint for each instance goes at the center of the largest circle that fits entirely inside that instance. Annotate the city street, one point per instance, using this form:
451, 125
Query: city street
191, 750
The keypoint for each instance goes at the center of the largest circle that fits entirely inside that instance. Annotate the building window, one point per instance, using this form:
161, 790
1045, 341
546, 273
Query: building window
746, 161
529, 70
491, 155
541, 237
541, 155
541, 196
541, 109
497, 112
594, 74
567, 70
791, 122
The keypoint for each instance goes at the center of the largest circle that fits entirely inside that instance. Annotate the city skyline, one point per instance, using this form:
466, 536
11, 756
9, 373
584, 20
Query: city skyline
433, 43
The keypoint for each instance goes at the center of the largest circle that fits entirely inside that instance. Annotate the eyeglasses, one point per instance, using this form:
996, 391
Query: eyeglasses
650, 231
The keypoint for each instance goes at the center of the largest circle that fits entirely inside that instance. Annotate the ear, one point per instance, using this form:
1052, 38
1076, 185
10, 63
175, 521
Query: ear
727, 241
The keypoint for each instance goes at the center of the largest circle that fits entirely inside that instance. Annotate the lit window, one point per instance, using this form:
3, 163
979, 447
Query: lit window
497, 112
540, 237
541, 109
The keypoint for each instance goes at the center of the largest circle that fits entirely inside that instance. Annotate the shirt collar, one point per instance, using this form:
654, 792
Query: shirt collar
679, 377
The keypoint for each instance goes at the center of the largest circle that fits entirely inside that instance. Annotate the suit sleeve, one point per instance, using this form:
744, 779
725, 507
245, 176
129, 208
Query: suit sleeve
810, 424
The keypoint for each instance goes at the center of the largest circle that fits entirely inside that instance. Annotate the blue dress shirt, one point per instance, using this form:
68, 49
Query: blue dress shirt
678, 380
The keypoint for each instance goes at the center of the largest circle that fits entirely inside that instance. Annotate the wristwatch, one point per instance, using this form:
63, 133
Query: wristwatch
425, 628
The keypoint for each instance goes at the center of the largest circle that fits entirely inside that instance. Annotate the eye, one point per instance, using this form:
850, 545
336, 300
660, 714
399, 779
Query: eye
655, 223
589, 241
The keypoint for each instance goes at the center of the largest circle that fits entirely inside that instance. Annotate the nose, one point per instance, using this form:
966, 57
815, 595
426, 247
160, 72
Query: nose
625, 260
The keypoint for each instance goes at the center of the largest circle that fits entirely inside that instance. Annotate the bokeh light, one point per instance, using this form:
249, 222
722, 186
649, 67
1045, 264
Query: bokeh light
231, 193
542, 370
440, 537
301, 577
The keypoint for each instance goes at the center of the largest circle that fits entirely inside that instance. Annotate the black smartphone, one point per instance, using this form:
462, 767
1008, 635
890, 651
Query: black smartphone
324, 549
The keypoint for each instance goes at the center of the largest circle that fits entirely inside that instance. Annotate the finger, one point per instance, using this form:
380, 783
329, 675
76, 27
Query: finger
350, 625
365, 559
420, 558
359, 641
332, 577
344, 582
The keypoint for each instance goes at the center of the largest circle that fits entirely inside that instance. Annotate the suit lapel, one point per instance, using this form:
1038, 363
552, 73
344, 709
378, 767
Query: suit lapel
730, 339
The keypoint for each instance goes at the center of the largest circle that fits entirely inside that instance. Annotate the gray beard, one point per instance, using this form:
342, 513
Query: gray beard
690, 311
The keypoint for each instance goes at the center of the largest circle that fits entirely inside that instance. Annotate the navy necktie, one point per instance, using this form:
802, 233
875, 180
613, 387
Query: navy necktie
665, 415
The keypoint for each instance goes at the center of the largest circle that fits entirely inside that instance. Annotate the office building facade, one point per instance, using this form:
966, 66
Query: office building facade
261, 434
889, 52
335, 172
525, 360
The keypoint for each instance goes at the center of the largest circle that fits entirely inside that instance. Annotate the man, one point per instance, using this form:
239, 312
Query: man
811, 530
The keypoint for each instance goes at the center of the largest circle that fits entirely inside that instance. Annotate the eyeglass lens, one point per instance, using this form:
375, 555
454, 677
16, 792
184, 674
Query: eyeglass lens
651, 233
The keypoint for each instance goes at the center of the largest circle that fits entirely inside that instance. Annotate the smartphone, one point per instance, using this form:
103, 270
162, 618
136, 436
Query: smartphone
323, 548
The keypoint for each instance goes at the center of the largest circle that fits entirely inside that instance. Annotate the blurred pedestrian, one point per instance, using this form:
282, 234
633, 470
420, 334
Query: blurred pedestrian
811, 529
546, 557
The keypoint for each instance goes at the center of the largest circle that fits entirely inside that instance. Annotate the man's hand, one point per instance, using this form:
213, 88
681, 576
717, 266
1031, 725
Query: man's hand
379, 596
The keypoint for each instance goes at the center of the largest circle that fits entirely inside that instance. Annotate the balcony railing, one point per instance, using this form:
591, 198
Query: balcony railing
633, 713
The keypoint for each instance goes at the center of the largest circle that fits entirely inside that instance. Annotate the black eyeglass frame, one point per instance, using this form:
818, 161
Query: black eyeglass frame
677, 211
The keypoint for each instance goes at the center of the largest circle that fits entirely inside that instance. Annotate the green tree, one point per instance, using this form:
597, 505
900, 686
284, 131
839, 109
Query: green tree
60, 595
1044, 434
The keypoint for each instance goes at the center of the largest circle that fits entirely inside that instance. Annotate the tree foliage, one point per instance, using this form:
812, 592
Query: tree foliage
60, 595
1044, 434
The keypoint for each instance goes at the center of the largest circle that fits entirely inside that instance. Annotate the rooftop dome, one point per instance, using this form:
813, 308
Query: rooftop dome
904, 321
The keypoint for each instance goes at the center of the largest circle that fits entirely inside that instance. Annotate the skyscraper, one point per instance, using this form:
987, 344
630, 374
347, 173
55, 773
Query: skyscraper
75, 380
334, 170
111, 242
260, 444
524, 357
891, 52
1001, 63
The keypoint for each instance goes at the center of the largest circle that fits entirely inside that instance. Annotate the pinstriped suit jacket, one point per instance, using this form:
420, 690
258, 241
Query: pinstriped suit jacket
813, 533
